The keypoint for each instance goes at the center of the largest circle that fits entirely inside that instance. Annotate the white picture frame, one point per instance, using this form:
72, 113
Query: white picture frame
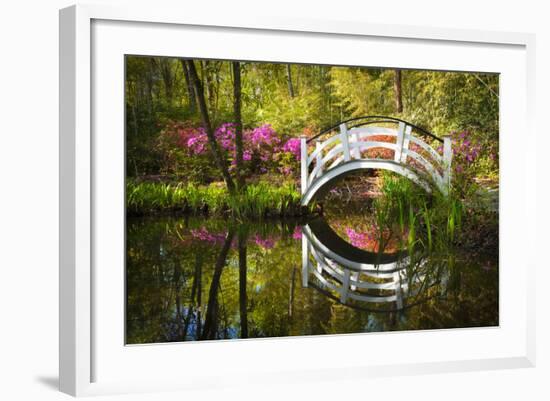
84, 161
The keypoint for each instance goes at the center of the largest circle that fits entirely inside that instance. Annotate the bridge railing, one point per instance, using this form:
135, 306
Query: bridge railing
405, 144
387, 284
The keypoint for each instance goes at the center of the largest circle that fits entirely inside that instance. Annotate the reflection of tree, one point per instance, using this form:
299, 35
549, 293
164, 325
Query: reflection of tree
242, 284
177, 284
194, 293
291, 293
211, 320
254, 291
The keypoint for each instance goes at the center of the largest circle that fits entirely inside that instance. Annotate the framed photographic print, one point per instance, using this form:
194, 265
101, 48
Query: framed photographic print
308, 202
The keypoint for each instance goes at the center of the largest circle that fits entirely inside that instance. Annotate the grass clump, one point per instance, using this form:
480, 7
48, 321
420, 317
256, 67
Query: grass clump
434, 221
430, 220
255, 201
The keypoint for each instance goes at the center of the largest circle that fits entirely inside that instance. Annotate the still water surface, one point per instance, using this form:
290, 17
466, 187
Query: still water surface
196, 278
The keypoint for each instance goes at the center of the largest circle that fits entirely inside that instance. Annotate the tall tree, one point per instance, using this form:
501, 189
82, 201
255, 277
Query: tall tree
289, 80
189, 86
238, 123
209, 73
149, 85
217, 154
398, 91
165, 66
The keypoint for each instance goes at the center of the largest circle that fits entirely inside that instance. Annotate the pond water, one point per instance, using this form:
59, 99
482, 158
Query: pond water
196, 278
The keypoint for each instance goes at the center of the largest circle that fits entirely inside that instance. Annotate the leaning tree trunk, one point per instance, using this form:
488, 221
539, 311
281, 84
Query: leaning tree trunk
398, 92
219, 157
238, 123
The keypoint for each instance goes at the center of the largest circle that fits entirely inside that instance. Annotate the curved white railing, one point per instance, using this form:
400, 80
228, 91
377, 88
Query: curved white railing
336, 154
332, 273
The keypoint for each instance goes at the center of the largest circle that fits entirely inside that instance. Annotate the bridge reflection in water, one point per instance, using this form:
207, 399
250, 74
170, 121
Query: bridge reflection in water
362, 279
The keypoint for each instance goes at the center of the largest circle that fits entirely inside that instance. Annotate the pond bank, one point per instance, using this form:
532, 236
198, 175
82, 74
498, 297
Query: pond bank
255, 201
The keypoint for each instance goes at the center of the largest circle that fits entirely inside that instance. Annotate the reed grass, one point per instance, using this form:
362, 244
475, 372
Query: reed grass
255, 201
432, 220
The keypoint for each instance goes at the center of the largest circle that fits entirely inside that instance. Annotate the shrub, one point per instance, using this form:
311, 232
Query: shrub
185, 151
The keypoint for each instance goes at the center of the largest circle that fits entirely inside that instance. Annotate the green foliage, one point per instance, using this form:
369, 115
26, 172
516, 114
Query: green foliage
156, 92
435, 221
440, 101
267, 99
175, 161
362, 91
154, 95
171, 262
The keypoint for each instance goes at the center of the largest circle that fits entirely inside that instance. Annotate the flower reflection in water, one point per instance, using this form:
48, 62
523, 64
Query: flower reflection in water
253, 283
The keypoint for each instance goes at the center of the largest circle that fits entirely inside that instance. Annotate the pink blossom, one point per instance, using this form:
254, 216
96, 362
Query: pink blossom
196, 142
293, 146
286, 170
266, 243
203, 235
264, 135
358, 239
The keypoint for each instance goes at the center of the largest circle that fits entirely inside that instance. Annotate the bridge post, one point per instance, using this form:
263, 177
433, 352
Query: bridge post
356, 151
319, 159
447, 161
399, 142
303, 163
344, 138
406, 140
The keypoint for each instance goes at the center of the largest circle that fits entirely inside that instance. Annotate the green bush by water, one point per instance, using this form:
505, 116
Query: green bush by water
430, 220
256, 200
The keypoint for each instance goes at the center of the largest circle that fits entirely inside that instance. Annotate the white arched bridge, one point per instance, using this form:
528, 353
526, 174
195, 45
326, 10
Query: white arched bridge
374, 142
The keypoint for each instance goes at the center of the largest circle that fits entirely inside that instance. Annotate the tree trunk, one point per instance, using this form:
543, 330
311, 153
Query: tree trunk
238, 124
398, 92
242, 285
189, 85
289, 80
208, 71
210, 322
219, 157
149, 86
167, 77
